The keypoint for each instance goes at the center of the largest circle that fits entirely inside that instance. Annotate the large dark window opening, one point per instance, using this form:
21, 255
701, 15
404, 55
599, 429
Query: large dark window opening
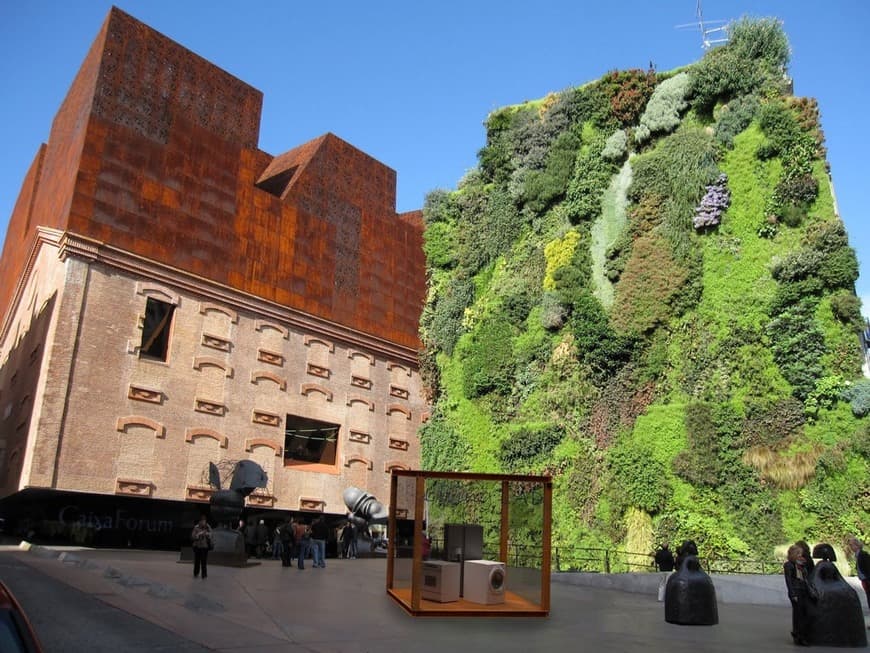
309, 441
155, 329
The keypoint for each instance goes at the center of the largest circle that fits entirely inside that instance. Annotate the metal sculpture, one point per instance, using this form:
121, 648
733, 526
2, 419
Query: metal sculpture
364, 508
227, 505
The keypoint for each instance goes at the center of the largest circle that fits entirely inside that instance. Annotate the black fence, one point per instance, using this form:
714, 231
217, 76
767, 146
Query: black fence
612, 561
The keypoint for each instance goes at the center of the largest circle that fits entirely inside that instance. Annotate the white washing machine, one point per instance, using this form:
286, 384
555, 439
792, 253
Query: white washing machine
440, 581
484, 581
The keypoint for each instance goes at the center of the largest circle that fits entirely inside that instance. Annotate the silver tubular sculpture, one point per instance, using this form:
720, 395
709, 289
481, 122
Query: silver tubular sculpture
364, 508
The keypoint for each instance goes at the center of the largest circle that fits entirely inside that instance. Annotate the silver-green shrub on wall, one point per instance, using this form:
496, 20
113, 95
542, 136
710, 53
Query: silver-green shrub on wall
616, 146
662, 114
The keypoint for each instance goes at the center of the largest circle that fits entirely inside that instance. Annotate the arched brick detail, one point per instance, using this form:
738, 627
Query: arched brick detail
406, 370
350, 460
362, 437
308, 340
308, 388
396, 408
354, 353
265, 418
250, 443
156, 290
192, 433
311, 504
262, 325
204, 361
141, 420
390, 465
134, 486
353, 399
256, 375
205, 307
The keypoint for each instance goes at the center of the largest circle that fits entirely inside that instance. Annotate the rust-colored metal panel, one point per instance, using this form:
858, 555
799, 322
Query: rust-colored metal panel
154, 151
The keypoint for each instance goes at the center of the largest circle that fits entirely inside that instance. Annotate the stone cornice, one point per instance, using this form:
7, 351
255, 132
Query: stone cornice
90, 250
43, 236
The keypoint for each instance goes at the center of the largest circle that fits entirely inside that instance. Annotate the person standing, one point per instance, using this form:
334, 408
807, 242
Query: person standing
303, 542
250, 532
319, 535
200, 537
287, 537
262, 537
686, 549
348, 544
808, 558
862, 563
277, 544
664, 561
795, 572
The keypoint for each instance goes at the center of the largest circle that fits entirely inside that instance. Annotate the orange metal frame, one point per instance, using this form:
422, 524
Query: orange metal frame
514, 606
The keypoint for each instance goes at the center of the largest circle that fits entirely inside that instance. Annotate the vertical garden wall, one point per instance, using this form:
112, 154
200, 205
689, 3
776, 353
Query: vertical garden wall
643, 289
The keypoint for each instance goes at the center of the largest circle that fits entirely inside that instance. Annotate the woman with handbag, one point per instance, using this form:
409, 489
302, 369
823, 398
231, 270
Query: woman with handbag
202, 544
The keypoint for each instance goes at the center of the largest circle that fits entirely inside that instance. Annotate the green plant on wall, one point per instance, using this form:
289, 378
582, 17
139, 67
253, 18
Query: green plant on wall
678, 377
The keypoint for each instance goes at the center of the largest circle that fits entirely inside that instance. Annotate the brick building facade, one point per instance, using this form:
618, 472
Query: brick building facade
172, 296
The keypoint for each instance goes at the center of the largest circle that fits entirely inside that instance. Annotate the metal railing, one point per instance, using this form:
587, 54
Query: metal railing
610, 561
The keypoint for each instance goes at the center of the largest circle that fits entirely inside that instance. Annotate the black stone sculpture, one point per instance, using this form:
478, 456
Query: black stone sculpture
834, 611
690, 598
824, 552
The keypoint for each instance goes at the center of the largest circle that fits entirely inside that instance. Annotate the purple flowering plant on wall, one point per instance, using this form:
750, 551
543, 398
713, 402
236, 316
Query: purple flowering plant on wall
717, 198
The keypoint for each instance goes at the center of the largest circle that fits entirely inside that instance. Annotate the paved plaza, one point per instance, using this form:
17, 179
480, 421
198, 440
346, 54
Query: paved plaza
344, 608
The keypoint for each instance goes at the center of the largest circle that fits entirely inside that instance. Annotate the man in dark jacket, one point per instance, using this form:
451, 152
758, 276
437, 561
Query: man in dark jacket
664, 559
262, 537
250, 532
319, 535
348, 541
287, 541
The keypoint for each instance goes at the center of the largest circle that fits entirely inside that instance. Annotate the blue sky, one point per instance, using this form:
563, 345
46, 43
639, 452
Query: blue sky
411, 83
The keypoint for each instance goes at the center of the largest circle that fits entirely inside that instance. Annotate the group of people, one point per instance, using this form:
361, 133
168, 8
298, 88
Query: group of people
295, 539
798, 572
664, 560
256, 538
666, 563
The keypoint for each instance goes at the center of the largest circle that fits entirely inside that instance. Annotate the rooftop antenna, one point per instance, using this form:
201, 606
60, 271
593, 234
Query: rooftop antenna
713, 32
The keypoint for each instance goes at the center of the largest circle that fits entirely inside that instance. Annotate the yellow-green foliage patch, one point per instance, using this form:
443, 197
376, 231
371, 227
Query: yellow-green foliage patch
559, 253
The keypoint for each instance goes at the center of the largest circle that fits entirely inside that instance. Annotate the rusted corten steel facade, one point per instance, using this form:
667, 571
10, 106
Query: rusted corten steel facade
151, 185
154, 151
